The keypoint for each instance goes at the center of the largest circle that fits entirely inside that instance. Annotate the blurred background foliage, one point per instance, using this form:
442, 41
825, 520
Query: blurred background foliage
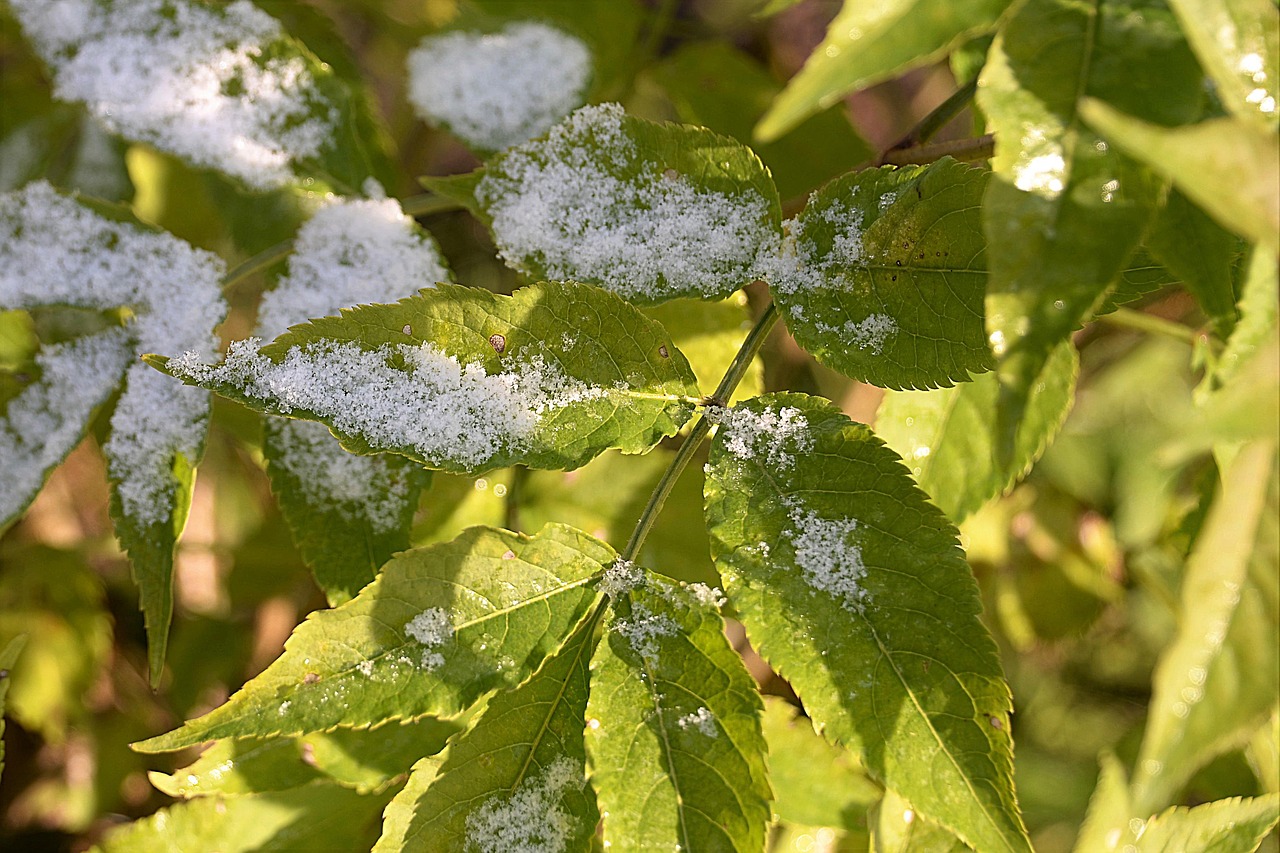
1080, 565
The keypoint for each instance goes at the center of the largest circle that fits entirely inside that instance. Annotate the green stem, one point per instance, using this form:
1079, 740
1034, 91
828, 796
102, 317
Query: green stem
1127, 318
737, 369
979, 148
424, 204
938, 118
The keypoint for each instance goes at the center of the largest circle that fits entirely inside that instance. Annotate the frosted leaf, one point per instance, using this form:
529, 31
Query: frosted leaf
54, 251
432, 628
332, 478
799, 265
399, 397
775, 436
531, 819
620, 578
586, 204
706, 596
642, 628
870, 333
42, 424
701, 721
494, 90
828, 553
204, 83
351, 252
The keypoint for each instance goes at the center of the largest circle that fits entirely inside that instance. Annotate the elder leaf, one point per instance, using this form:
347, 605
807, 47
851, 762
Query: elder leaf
548, 377
439, 628
673, 731
854, 588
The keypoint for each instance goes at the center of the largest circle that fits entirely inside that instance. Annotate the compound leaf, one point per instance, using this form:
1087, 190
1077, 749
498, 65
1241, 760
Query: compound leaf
464, 380
673, 731
439, 628
884, 272
853, 586
517, 780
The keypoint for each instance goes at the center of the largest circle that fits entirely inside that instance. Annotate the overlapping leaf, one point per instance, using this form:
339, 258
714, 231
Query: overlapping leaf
649, 211
854, 588
1217, 681
1063, 212
677, 756
439, 628
867, 43
461, 379
884, 272
517, 779
948, 436
1238, 43
1200, 252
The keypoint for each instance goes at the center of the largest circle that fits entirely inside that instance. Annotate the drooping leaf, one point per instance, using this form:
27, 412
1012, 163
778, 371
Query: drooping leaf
649, 211
1063, 212
317, 816
1218, 680
868, 43
814, 783
948, 436
718, 86
1199, 251
883, 275
673, 731
1238, 43
1237, 825
364, 759
8, 657
461, 379
1202, 160
439, 628
226, 89
344, 537
853, 587
517, 779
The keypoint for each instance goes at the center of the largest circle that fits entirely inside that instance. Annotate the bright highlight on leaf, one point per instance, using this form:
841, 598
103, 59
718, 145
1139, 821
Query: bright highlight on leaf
648, 211
221, 87
853, 587
495, 90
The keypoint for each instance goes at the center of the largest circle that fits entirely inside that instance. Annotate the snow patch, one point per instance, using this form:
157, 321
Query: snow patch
701, 720
643, 628
620, 578
828, 553
531, 819
433, 628
776, 435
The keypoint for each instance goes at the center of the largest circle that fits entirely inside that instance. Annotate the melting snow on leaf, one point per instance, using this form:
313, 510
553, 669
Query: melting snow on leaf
531, 819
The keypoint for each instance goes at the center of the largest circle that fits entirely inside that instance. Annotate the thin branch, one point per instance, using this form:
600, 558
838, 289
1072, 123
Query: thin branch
938, 118
1127, 318
980, 148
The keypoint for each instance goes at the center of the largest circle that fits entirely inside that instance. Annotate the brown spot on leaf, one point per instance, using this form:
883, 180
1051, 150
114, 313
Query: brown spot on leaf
498, 342
510, 555
662, 351
310, 678
408, 330
309, 754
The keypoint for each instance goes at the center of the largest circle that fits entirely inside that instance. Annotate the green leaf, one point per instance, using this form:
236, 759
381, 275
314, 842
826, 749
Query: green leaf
649, 211
948, 436
1217, 681
709, 334
517, 780
1064, 211
673, 728
275, 116
1202, 160
318, 816
364, 759
1200, 253
1142, 276
1237, 825
896, 828
883, 274
1107, 821
439, 628
551, 377
1259, 311
8, 658
715, 85
853, 587
814, 783
344, 536
867, 43
1238, 43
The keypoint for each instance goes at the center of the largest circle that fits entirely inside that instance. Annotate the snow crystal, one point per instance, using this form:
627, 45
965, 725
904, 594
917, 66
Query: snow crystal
54, 251
199, 82
329, 476
799, 265
531, 819
702, 720
401, 396
706, 596
620, 578
499, 89
586, 205
352, 252
433, 628
642, 629
46, 420
776, 435
829, 556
